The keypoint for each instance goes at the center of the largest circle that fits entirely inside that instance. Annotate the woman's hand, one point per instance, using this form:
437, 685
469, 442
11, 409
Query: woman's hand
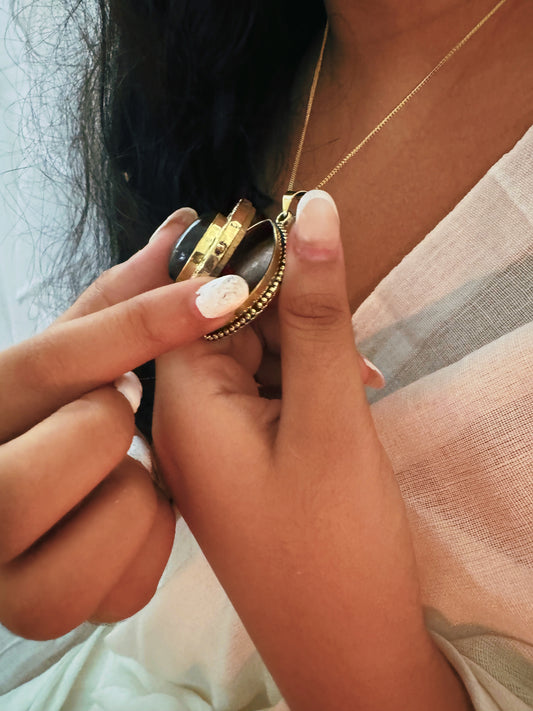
83, 532
294, 501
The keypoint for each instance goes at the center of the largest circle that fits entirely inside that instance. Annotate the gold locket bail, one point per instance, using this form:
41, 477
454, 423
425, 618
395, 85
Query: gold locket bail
286, 216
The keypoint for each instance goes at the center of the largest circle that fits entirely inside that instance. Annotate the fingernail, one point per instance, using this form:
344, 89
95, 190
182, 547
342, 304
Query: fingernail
317, 220
141, 452
185, 216
376, 379
130, 386
221, 296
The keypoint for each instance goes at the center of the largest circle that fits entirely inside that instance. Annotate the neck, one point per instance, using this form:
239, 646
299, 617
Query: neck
371, 23
371, 41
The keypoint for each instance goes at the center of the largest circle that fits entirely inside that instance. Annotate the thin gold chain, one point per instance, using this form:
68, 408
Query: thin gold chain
388, 117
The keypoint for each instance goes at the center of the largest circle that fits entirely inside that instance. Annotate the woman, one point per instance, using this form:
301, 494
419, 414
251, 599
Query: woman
335, 599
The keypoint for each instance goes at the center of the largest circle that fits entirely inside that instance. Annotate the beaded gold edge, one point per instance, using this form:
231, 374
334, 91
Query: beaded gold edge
260, 303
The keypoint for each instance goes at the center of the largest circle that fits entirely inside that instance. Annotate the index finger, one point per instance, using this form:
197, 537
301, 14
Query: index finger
74, 357
145, 270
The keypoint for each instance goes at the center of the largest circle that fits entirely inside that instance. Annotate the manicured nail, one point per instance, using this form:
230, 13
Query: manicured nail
317, 221
185, 216
130, 386
140, 451
221, 296
376, 379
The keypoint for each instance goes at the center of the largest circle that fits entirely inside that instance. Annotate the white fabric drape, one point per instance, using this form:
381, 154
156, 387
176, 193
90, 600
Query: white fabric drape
451, 327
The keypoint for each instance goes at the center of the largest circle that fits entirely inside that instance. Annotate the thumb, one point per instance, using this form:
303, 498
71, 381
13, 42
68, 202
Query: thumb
320, 364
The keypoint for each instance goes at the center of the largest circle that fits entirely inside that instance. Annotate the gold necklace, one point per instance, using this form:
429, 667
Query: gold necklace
290, 193
216, 243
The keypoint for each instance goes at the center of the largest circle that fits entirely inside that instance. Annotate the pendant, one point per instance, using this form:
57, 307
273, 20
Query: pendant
215, 245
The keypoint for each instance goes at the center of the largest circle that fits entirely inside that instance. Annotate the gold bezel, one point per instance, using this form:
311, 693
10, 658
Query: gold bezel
264, 291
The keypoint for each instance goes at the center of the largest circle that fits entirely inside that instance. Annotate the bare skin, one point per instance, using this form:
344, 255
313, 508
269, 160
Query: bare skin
434, 151
68, 492
84, 534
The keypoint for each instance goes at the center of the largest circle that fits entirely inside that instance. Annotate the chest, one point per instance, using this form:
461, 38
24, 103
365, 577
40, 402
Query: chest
392, 195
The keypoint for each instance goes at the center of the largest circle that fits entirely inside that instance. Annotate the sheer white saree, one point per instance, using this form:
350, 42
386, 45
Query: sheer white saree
450, 327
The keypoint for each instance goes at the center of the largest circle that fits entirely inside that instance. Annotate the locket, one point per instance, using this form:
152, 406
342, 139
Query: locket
215, 245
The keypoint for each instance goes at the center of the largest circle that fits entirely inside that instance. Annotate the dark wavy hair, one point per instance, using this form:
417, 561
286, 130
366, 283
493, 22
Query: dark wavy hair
155, 104
167, 103
186, 94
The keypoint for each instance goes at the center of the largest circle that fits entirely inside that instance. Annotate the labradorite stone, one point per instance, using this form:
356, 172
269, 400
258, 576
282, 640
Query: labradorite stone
254, 254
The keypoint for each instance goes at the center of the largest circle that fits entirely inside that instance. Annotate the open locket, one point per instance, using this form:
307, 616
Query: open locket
214, 245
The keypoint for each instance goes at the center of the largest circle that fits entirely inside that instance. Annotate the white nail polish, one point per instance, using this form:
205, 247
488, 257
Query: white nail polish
141, 452
378, 379
130, 386
221, 296
315, 195
187, 216
317, 234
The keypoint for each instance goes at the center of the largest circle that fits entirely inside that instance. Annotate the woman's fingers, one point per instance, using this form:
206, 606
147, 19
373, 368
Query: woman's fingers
44, 593
48, 470
135, 588
207, 415
145, 270
40, 375
269, 373
320, 364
